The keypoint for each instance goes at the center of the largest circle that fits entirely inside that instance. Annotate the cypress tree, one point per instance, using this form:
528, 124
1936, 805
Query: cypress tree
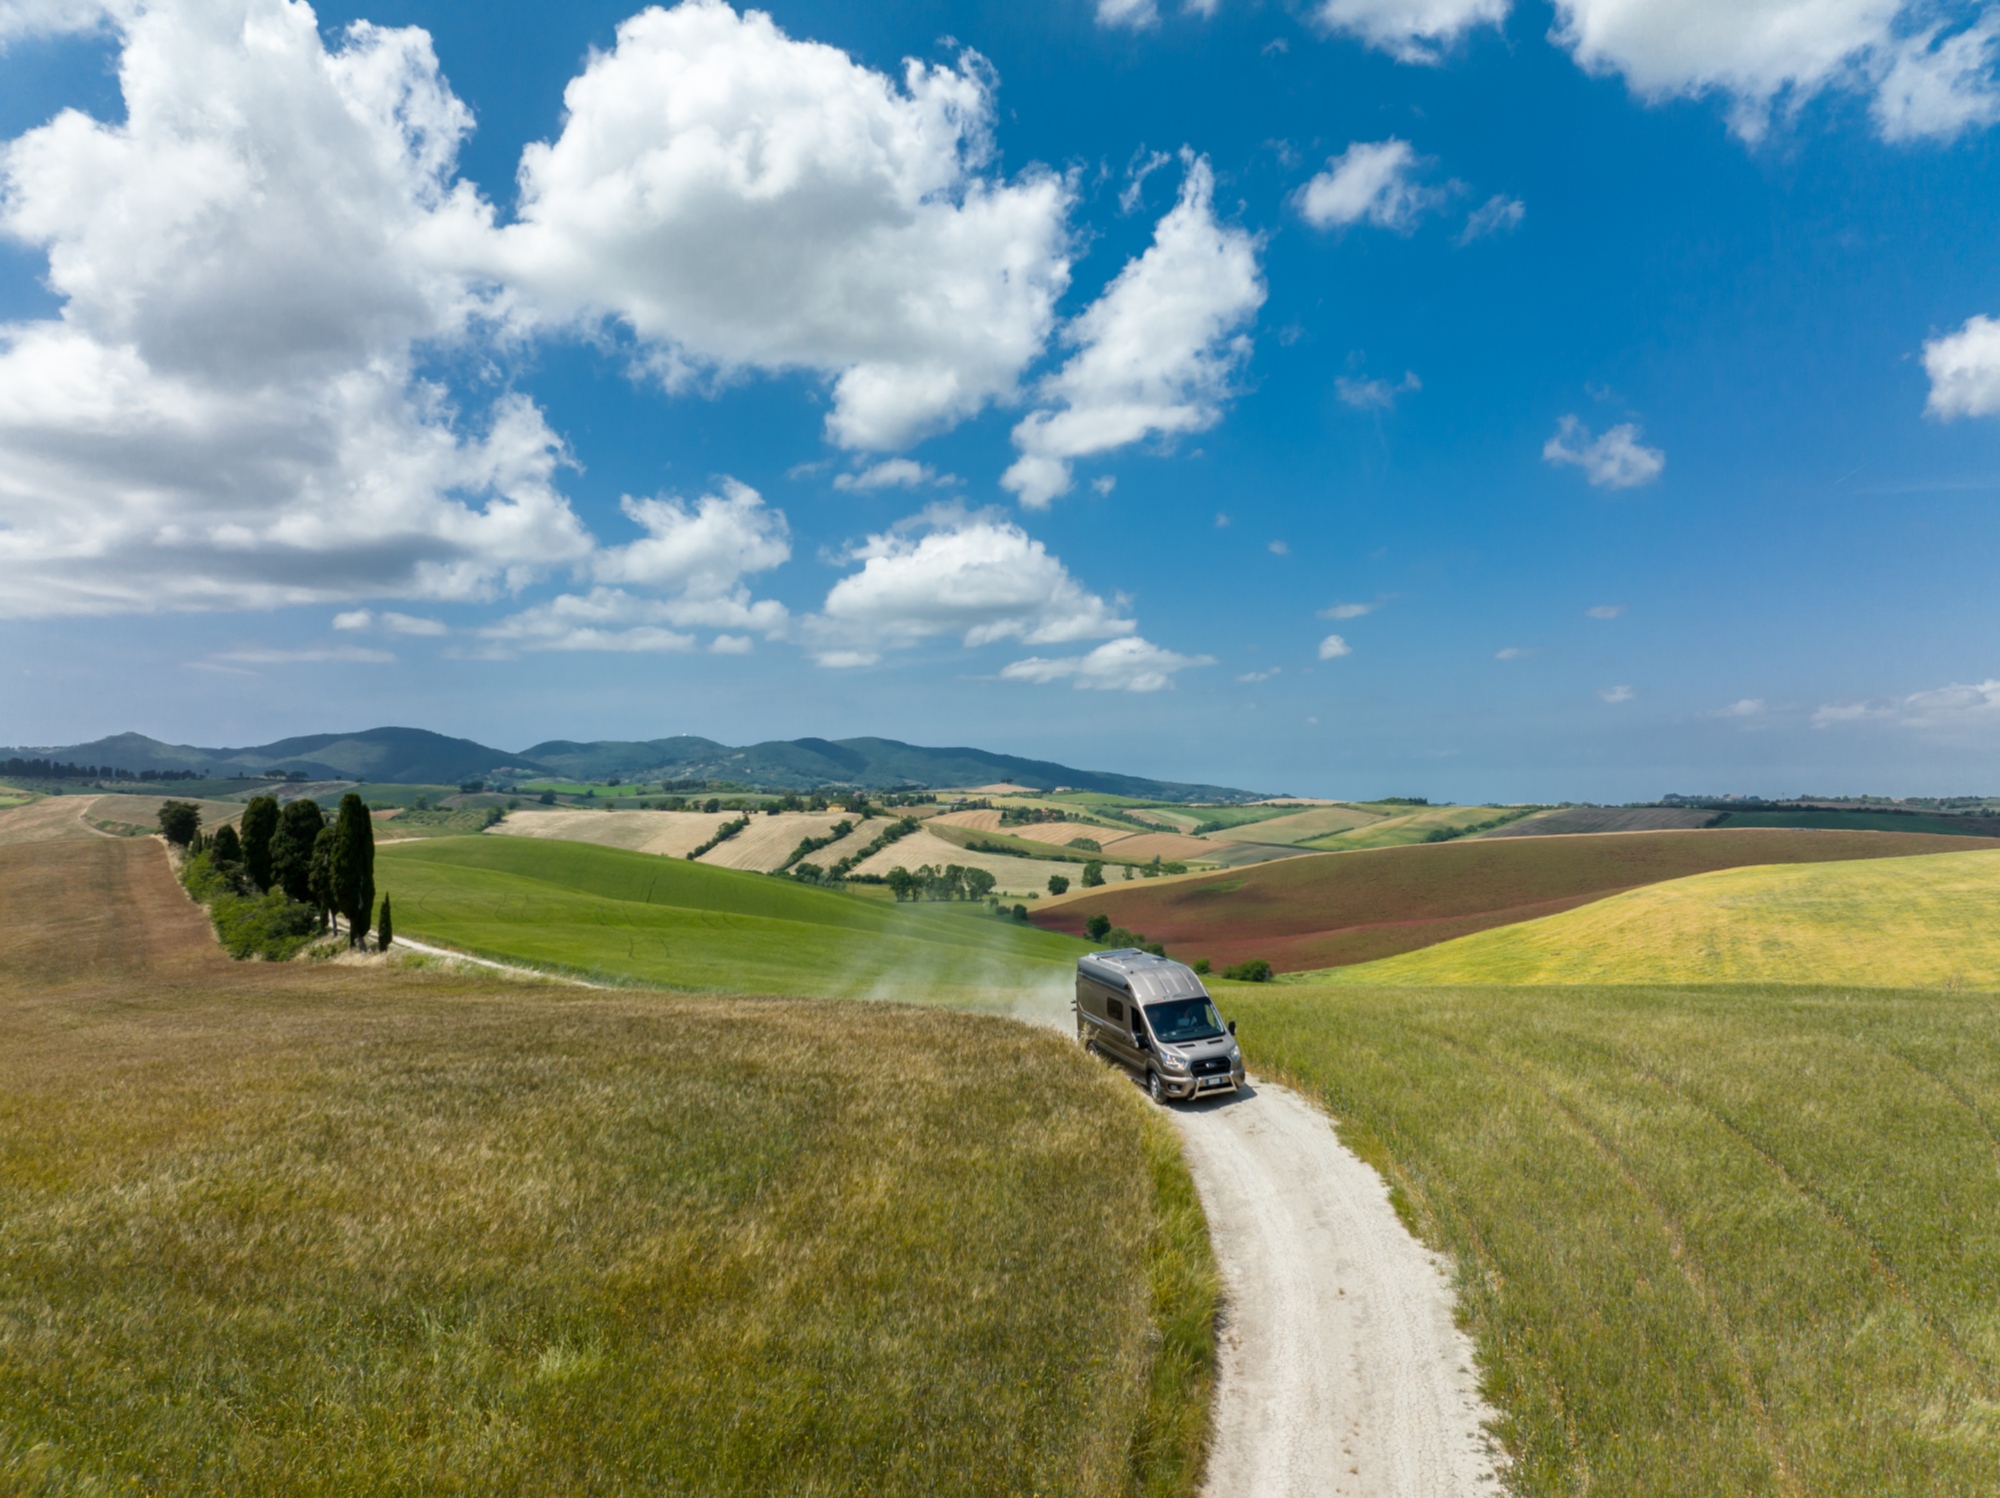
321, 878
225, 846
179, 822
260, 825
292, 849
353, 872
385, 929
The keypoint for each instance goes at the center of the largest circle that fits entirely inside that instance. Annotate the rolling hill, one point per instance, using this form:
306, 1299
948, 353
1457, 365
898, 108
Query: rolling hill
1340, 908
416, 756
626, 916
1924, 922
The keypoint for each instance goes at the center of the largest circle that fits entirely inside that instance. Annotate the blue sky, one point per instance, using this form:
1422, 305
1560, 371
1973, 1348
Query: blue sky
1360, 397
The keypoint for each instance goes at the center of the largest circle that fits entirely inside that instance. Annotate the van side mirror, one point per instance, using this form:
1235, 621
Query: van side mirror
1232, 1027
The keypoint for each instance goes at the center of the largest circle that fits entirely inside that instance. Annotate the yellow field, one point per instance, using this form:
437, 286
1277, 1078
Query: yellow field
1926, 922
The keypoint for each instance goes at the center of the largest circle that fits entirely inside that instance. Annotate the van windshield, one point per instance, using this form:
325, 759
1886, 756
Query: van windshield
1177, 1020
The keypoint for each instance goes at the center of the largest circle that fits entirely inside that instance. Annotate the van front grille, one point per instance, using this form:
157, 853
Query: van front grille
1208, 1066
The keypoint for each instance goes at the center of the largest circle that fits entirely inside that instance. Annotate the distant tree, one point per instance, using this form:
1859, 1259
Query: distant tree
385, 929
299, 826
1257, 970
902, 883
260, 825
1093, 874
1058, 885
712, 806
1201, 965
1098, 927
547, 798
353, 871
225, 847
978, 884
808, 873
321, 877
179, 822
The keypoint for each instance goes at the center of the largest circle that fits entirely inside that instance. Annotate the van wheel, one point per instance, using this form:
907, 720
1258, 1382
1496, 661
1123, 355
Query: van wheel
1156, 1088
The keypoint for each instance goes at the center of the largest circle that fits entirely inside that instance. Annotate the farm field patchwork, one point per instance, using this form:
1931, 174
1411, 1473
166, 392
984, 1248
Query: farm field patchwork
621, 916
1291, 827
1883, 923
1576, 819
1016, 874
310, 1229
1716, 1241
1310, 913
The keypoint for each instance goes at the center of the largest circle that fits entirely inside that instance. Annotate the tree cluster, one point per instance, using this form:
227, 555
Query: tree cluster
49, 769
294, 852
929, 882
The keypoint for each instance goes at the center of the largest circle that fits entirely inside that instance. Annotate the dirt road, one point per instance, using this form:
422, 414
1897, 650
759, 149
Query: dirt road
1341, 1371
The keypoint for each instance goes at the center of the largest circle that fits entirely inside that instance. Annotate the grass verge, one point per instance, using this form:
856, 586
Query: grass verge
1712, 1241
1170, 1444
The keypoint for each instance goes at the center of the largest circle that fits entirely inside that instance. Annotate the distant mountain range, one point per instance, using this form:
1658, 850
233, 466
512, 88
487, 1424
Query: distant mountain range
415, 756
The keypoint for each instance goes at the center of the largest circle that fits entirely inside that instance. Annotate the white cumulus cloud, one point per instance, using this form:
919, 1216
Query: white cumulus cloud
893, 473
1375, 395
1333, 647
1618, 694
952, 573
1957, 708
1964, 369
1157, 353
1125, 665
1499, 214
1370, 182
692, 559
1409, 30
225, 414
1927, 81
745, 201
1616, 460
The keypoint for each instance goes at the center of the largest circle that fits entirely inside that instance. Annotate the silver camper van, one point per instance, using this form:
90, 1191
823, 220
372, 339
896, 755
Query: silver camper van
1155, 1017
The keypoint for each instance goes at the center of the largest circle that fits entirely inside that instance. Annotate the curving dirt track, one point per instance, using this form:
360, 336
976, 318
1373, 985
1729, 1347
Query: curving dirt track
1342, 1371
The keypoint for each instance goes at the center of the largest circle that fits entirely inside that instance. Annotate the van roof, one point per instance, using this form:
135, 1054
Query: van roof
1142, 975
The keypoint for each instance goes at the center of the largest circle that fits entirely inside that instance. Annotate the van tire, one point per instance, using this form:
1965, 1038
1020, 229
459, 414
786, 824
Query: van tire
1155, 1088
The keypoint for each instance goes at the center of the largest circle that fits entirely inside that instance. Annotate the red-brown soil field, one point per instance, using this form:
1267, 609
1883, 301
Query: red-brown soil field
1334, 909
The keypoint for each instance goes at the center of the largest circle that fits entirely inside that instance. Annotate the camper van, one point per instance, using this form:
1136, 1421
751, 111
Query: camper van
1154, 1016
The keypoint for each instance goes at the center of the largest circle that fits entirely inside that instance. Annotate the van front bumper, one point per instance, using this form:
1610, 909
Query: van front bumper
1184, 1088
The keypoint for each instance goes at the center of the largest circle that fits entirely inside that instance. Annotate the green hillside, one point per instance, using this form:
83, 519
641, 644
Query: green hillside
1717, 1241
626, 916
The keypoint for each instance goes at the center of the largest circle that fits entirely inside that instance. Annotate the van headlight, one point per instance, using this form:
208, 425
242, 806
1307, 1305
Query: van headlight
1173, 1060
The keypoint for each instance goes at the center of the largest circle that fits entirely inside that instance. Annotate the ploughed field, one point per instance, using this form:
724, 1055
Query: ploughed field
1709, 1241
1879, 923
1336, 909
612, 915
329, 1228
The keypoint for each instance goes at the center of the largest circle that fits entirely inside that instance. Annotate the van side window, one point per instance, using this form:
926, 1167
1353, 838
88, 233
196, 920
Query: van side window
1115, 1009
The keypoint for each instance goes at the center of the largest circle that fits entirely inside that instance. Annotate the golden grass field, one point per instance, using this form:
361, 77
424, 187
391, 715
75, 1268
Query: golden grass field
341, 1228
1922, 922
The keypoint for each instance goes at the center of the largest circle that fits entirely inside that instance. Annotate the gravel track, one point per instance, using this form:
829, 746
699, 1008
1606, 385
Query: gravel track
1342, 1371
